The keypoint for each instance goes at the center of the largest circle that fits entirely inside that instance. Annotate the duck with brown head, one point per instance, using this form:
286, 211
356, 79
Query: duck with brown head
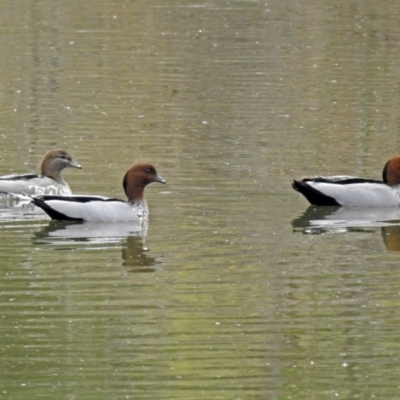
353, 191
105, 209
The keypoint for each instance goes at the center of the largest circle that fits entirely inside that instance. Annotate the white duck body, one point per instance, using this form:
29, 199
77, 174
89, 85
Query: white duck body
33, 185
342, 193
49, 182
92, 208
353, 191
105, 209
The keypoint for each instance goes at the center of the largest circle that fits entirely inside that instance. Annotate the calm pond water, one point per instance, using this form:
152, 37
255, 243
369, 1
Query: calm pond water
237, 289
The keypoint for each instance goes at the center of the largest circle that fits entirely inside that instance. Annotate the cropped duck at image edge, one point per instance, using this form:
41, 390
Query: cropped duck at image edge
49, 181
353, 191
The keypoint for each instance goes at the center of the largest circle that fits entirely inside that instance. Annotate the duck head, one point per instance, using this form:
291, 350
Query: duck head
55, 161
137, 178
391, 171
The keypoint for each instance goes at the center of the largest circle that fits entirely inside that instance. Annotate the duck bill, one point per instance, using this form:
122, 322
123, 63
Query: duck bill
159, 179
74, 164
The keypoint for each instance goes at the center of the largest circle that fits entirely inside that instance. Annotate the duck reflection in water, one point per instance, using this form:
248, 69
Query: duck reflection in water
130, 236
14, 208
321, 220
391, 237
135, 256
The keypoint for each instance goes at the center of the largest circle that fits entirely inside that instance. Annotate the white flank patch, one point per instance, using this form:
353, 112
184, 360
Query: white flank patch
359, 194
99, 211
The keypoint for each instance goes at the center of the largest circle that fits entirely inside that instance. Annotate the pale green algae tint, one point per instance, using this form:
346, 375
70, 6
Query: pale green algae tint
224, 297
